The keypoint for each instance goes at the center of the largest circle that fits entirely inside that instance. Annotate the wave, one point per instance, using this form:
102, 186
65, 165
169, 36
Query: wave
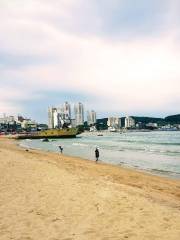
25, 146
80, 144
148, 150
164, 171
164, 151
146, 142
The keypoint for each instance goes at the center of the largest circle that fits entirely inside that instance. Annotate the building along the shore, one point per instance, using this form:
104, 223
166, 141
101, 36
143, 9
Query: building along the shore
114, 122
79, 114
58, 116
129, 122
51, 111
91, 118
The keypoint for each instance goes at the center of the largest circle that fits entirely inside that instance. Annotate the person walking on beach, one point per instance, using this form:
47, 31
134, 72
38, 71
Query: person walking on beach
97, 154
61, 149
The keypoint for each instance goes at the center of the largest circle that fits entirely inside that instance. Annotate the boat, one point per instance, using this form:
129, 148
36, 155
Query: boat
50, 133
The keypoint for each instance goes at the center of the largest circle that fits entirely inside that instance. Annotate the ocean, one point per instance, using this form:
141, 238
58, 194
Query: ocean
157, 152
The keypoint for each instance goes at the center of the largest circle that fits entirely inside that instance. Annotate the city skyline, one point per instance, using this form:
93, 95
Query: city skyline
60, 115
121, 57
58, 108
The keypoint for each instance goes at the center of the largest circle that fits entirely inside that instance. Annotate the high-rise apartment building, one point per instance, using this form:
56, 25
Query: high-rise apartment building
55, 118
114, 122
129, 122
51, 111
67, 110
91, 117
58, 116
79, 114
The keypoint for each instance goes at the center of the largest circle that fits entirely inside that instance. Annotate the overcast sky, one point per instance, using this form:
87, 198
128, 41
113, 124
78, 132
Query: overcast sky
118, 57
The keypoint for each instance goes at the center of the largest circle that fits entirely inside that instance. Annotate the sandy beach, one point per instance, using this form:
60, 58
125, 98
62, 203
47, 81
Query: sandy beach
50, 196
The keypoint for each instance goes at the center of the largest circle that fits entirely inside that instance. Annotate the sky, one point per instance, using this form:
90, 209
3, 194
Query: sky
118, 57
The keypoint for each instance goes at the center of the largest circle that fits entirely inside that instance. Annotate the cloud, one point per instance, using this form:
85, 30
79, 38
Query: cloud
9, 108
124, 56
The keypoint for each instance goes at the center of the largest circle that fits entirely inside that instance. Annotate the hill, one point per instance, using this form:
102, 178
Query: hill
173, 119
146, 120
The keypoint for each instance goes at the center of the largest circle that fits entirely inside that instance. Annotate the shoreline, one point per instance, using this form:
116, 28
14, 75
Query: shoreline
107, 167
46, 195
153, 172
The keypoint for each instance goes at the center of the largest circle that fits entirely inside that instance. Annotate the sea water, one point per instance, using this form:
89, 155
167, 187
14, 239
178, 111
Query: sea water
157, 152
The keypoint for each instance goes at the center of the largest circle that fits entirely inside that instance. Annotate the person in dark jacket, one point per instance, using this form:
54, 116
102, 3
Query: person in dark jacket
97, 154
61, 149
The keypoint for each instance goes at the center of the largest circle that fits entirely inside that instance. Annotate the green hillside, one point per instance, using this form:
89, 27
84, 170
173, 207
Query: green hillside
174, 119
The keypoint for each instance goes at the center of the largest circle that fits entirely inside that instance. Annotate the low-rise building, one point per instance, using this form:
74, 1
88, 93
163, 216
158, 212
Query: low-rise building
7, 119
73, 122
152, 125
92, 129
29, 125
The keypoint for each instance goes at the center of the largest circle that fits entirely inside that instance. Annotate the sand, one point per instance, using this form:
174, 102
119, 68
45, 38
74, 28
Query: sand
51, 196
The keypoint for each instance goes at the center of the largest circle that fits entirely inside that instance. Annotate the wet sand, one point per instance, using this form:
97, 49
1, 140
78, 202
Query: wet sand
51, 196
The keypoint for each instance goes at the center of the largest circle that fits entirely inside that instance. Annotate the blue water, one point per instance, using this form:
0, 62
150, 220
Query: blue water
155, 152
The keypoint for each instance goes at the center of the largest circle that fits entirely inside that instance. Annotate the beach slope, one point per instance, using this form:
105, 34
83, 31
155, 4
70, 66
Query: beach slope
51, 196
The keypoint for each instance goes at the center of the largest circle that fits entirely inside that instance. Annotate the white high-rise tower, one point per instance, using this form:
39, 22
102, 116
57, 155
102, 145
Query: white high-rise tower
79, 114
51, 111
67, 111
129, 122
114, 122
91, 117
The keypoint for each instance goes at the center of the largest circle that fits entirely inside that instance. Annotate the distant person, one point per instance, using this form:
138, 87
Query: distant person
61, 149
97, 154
